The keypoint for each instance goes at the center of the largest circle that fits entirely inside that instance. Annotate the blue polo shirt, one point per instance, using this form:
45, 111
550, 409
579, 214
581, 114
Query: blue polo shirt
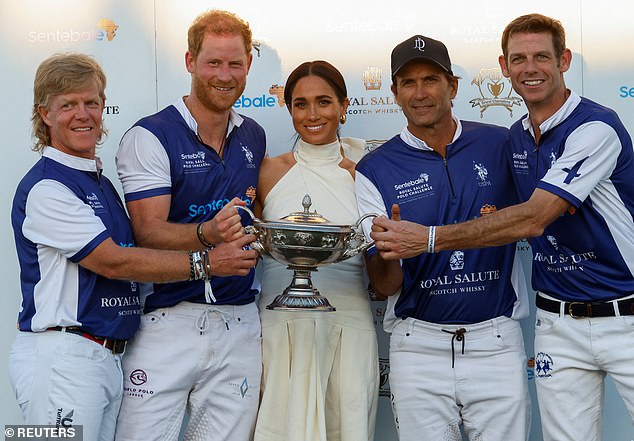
473, 180
163, 155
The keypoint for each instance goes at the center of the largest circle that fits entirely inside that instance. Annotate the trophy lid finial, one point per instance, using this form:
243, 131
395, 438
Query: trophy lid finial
306, 203
306, 216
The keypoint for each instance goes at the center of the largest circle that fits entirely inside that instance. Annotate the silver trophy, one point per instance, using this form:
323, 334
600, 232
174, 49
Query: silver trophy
305, 241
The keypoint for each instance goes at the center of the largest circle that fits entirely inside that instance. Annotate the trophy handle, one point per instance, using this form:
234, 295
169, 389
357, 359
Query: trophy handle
250, 229
248, 210
358, 237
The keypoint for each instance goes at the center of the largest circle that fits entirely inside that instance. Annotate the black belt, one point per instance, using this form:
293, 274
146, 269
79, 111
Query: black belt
589, 309
115, 346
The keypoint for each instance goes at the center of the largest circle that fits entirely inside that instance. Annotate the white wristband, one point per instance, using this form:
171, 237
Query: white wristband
431, 240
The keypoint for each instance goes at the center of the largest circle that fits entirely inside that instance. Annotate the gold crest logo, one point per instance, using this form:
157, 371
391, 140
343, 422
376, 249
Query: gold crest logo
492, 86
109, 26
251, 194
487, 209
277, 91
372, 78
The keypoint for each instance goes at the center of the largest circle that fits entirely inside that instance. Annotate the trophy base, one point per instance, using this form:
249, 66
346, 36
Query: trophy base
300, 295
294, 302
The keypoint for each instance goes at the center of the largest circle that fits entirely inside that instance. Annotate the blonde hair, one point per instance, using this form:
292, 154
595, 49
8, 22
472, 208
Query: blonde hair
57, 75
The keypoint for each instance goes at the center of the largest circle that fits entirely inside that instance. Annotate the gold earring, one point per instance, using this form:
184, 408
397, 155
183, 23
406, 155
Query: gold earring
342, 119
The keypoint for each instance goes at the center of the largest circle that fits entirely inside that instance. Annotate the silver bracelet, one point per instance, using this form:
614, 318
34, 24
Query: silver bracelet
207, 262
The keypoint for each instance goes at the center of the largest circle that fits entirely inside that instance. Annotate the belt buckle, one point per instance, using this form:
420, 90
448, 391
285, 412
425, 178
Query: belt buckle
117, 346
570, 310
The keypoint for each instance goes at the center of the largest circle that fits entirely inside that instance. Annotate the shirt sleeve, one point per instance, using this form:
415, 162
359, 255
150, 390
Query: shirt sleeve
143, 165
57, 218
590, 155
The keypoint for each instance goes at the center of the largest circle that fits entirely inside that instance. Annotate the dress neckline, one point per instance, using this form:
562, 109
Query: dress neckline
325, 153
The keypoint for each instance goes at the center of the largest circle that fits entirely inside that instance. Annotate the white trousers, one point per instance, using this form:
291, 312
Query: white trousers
486, 390
65, 380
203, 358
572, 357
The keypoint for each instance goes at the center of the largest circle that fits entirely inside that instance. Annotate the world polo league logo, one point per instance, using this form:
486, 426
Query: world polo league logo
492, 85
138, 377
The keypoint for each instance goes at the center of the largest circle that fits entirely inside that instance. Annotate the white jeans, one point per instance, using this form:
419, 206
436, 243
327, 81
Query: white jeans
485, 391
572, 357
63, 379
203, 358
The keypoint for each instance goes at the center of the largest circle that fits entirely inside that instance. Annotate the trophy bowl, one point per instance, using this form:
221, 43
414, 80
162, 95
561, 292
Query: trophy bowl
304, 241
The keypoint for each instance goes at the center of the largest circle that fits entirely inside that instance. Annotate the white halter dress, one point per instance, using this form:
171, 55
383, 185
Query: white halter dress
320, 377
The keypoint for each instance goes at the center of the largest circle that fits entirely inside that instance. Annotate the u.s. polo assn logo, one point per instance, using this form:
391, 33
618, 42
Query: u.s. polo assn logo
248, 155
482, 174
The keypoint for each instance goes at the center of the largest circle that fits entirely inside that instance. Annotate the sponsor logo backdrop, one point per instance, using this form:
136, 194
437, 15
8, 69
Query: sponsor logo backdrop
141, 45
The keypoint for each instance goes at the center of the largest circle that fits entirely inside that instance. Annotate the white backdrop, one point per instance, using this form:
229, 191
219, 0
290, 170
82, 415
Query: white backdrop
141, 45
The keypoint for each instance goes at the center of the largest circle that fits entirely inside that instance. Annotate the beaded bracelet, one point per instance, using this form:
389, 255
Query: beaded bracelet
192, 272
197, 269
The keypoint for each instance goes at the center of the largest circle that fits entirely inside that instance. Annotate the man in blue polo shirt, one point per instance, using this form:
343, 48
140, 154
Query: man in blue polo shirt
183, 170
73, 239
456, 351
574, 169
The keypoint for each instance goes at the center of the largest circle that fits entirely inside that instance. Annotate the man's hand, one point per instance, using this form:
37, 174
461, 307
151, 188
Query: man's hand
226, 226
232, 259
396, 238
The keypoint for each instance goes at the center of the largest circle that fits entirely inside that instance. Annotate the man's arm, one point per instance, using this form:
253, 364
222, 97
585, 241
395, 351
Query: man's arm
151, 228
147, 265
142, 165
56, 218
404, 239
386, 276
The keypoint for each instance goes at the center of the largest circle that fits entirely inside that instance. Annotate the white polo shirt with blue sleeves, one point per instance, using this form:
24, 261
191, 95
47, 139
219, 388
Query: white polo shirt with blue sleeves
585, 157
62, 210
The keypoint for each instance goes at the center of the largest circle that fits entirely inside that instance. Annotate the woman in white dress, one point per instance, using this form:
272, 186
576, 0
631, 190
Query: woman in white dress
320, 377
